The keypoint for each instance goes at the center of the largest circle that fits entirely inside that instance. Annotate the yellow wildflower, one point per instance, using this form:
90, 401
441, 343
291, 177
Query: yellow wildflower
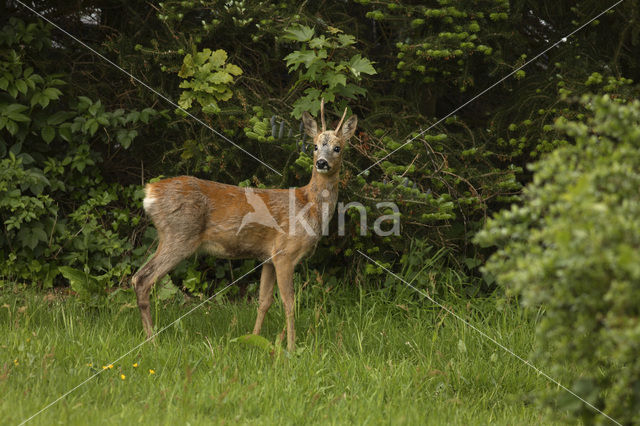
15, 361
104, 367
110, 366
135, 365
122, 376
152, 371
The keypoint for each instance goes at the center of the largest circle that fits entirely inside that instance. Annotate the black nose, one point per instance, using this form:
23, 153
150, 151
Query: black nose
322, 164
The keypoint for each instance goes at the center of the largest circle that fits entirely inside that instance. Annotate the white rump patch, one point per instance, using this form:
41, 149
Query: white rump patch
147, 202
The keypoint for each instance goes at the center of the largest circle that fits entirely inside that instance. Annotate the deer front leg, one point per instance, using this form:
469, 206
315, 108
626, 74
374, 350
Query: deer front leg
284, 272
267, 279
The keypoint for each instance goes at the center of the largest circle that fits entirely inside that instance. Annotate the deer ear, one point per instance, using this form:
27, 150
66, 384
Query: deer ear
310, 126
349, 127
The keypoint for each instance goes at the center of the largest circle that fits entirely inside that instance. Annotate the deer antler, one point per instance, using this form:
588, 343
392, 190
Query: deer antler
324, 126
341, 120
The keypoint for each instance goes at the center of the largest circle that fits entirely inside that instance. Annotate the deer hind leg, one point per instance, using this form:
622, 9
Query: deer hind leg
284, 272
267, 280
163, 261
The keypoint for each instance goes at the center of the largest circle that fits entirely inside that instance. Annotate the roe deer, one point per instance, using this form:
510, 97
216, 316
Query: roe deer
238, 223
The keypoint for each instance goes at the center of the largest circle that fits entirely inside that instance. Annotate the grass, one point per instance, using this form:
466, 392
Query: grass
365, 357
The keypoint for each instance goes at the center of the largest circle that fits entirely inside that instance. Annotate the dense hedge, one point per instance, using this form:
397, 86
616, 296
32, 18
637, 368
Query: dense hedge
572, 247
84, 137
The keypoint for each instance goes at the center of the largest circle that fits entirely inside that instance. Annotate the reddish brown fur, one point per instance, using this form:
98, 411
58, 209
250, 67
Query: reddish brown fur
192, 214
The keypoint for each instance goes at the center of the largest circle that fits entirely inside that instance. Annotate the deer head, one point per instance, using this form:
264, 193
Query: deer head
327, 155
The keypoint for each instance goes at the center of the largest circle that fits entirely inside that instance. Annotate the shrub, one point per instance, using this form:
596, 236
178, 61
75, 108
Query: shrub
571, 246
58, 212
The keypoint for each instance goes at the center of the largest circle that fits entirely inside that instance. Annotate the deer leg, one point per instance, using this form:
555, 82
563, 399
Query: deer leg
163, 261
267, 279
284, 272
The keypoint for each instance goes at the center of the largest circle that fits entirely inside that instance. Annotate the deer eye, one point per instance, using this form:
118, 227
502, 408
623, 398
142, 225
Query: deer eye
336, 148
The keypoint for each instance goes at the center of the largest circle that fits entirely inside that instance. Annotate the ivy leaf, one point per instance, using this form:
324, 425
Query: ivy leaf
299, 33
359, 65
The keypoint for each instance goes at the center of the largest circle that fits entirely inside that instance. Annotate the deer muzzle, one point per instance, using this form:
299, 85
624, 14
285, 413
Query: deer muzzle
322, 166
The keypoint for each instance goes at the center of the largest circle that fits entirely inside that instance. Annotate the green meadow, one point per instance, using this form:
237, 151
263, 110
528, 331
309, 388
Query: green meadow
363, 356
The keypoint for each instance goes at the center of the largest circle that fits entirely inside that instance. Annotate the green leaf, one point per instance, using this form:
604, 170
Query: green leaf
14, 108
359, 65
39, 234
256, 341
12, 127
43, 101
84, 103
48, 133
65, 132
218, 58
21, 86
52, 93
81, 282
166, 289
17, 116
334, 79
346, 40
318, 42
93, 109
299, 33
220, 77
306, 57
186, 100
187, 67
145, 113
233, 69
132, 117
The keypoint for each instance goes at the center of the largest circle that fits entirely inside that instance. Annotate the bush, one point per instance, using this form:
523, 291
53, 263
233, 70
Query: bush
571, 246
57, 208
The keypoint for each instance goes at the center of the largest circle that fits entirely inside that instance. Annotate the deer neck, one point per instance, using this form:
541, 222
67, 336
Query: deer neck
323, 188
